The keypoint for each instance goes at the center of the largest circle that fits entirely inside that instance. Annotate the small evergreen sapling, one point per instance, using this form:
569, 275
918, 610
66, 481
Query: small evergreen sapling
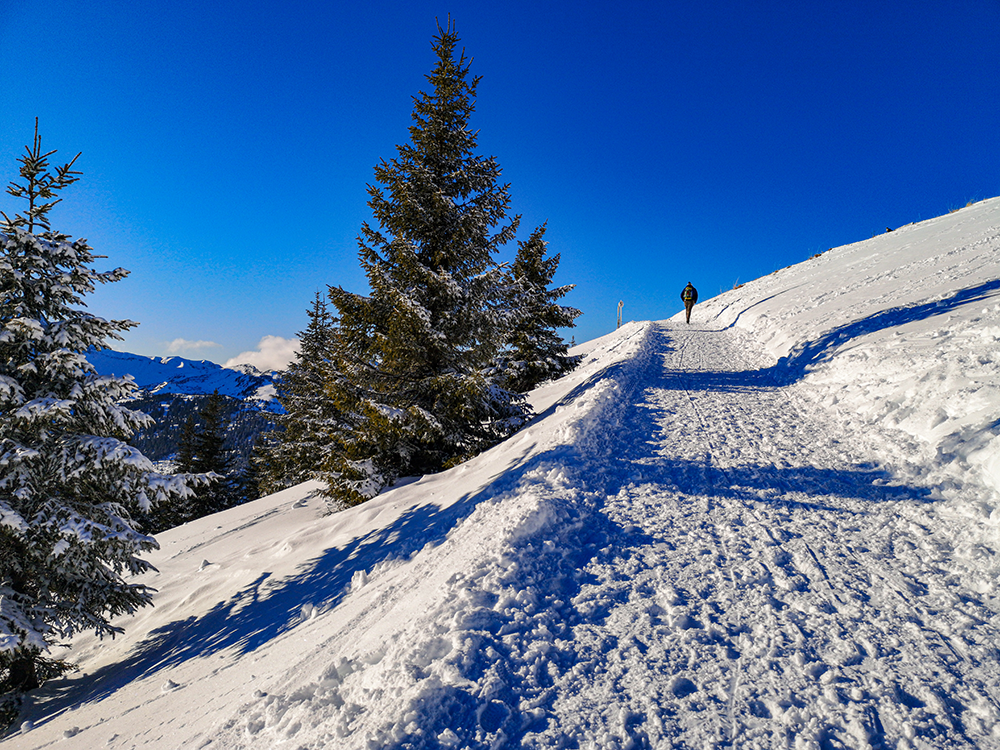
69, 482
300, 444
536, 351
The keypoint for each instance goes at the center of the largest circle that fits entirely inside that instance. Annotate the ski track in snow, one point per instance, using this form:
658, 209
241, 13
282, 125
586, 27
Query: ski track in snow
737, 572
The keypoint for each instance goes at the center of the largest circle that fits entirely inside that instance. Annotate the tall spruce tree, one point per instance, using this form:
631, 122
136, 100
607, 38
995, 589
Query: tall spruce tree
211, 458
300, 443
415, 364
209, 452
536, 351
69, 482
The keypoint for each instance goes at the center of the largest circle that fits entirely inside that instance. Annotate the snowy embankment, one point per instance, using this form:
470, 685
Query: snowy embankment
902, 330
274, 590
699, 542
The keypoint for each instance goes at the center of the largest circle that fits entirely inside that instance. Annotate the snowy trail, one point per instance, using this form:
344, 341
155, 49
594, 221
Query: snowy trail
762, 584
688, 549
702, 559
776, 528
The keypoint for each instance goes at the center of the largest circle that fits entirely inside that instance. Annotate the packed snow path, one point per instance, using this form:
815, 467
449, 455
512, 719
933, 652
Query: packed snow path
693, 546
708, 560
757, 582
705, 558
686, 550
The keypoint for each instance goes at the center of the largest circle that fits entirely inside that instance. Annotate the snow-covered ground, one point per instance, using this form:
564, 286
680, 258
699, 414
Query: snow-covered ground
775, 527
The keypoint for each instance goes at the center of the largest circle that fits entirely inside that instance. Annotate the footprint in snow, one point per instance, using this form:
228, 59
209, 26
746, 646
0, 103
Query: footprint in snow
683, 687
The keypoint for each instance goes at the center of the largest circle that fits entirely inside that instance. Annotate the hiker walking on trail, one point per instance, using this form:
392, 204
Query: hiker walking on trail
690, 296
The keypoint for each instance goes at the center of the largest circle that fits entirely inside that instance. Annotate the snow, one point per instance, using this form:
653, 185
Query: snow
773, 528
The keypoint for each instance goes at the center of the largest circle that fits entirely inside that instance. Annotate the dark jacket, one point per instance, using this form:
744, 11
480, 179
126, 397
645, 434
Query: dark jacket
693, 298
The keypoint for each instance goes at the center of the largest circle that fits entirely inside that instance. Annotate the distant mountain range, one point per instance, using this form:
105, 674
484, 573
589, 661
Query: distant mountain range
176, 375
172, 388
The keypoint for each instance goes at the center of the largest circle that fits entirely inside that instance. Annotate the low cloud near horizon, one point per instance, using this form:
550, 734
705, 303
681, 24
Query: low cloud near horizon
272, 353
183, 345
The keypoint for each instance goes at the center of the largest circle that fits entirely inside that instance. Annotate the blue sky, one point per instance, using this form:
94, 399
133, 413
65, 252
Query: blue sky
227, 145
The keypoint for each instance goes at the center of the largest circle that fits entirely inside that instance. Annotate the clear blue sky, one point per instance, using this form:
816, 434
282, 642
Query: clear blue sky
227, 145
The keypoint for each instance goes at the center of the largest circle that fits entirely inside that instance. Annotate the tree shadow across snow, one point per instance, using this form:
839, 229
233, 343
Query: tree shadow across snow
788, 486
267, 608
793, 367
760, 482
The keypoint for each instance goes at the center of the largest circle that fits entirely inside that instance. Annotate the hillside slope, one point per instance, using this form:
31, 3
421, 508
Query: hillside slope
765, 529
903, 331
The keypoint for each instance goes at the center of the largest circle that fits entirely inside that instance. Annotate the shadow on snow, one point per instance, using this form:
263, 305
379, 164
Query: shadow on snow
267, 608
796, 364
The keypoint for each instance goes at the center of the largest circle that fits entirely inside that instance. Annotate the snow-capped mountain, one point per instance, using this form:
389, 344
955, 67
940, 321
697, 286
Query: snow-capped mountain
776, 527
173, 388
176, 375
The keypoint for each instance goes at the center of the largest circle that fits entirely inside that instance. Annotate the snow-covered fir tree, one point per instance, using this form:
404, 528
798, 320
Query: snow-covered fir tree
536, 351
69, 482
415, 368
300, 443
208, 453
